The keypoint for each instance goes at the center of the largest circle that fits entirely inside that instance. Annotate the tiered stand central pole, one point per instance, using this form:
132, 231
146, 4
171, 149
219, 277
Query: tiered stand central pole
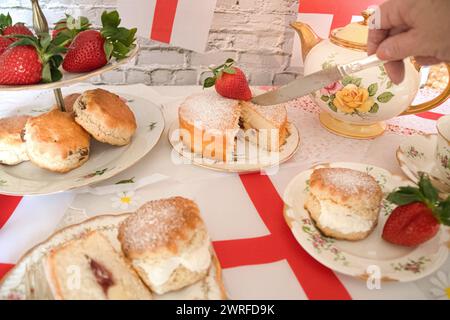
40, 25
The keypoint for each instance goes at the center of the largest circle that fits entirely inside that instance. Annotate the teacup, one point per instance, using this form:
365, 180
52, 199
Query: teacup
443, 148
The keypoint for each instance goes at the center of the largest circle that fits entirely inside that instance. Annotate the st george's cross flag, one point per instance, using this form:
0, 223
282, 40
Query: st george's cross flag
181, 23
326, 15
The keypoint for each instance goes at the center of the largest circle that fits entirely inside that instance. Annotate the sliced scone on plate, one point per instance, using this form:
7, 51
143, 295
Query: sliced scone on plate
89, 268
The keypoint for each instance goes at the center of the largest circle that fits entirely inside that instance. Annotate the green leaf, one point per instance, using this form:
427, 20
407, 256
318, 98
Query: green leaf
385, 97
346, 80
405, 195
110, 19
209, 82
357, 81
229, 60
428, 190
46, 73
5, 21
373, 88
108, 47
389, 84
444, 211
325, 98
374, 108
229, 70
44, 40
332, 106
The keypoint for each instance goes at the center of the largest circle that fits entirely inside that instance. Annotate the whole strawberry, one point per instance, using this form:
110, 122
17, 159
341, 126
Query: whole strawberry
67, 29
229, 81
30, 60
92, 49
4, 43
419, 215
8, 29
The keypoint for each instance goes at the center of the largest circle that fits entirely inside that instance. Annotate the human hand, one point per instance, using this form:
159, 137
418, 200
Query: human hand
418, 28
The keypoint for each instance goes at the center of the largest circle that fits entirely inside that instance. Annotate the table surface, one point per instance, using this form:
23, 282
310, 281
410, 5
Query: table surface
243, 213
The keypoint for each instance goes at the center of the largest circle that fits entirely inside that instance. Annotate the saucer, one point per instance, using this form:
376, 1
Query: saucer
416, 154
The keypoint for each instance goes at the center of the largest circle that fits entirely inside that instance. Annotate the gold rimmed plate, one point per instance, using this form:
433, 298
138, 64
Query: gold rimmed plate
371, 258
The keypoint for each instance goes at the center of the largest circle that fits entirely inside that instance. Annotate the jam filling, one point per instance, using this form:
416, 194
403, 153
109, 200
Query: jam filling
102, 275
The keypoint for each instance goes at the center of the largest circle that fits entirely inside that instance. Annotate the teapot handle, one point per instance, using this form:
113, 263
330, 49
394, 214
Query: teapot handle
433, 103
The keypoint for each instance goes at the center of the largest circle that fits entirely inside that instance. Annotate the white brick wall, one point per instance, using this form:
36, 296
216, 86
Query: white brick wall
255, 33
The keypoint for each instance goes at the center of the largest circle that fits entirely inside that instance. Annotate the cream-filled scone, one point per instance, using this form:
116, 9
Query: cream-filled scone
54, 141
89, 268
12, 148
270, 122
167, 244
344, 203
105, 116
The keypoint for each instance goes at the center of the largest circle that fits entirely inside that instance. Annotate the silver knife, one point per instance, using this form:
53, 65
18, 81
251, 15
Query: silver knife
315, 81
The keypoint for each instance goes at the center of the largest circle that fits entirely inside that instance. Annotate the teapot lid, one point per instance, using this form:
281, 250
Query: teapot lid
353, 35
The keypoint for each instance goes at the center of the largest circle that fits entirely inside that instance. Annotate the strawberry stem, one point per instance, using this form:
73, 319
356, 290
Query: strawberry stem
218, 71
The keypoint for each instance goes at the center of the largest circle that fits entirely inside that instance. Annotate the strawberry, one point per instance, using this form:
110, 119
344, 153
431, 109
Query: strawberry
66, 29
92, 49
8, 29
30, 60
4, 43
229, 81
419, 215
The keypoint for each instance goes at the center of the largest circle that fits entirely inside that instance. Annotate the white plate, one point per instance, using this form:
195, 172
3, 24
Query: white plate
254, 159
372, 257
104, 161
73, 78
416, 154
27, 281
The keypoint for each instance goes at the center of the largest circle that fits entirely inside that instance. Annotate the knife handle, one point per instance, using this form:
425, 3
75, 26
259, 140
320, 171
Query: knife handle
358, 65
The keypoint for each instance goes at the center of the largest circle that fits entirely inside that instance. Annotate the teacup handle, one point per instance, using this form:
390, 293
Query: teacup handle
433, 103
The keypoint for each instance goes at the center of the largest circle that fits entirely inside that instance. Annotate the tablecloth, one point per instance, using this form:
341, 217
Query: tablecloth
259, 256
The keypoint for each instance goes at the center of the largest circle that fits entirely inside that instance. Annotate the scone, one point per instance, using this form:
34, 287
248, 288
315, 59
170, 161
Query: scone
344, 203
167, 244
54, 141
105, 116
12, 149
90, 269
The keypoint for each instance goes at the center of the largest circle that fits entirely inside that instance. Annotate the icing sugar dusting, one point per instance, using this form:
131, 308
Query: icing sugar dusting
275, 113
156, 223
210, 110
348, 180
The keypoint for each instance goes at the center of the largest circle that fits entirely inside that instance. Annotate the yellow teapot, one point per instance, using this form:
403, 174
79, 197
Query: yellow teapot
358, 105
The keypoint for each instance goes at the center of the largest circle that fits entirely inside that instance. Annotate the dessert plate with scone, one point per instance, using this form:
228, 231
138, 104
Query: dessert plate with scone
44, 150
161, 251
231, 135
337, 212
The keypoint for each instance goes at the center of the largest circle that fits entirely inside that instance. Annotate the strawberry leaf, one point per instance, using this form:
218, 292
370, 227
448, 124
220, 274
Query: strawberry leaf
5, 21
110, 19
444, 208
428, 190
108, 47
209, 82
229, 60
229, 70
121, 39
405, 195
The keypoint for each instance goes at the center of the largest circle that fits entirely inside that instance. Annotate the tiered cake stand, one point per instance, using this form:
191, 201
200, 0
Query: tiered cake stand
105, 161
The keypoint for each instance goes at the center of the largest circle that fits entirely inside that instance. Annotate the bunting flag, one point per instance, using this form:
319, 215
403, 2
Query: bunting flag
326, 15
181, 23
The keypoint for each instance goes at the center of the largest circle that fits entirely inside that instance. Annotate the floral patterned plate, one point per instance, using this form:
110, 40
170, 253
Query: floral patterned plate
104, 162
27, 280
371, 258
416, 154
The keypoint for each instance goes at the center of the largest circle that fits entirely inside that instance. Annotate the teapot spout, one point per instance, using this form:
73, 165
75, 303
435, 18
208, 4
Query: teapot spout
308, 37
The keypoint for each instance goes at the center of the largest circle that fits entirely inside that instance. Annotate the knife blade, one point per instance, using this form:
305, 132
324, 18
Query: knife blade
315, 81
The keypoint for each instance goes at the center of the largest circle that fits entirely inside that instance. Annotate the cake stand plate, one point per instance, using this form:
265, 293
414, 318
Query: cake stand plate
104, 161
69, 79
371, 259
